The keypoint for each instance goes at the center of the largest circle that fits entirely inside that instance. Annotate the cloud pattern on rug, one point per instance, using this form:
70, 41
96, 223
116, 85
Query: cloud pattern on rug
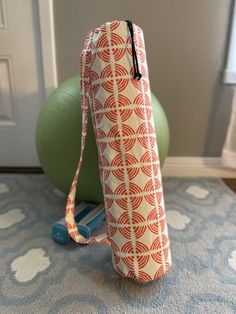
11, 217
176, 220
4, 188
197, 191
41, 276
58, 192
33, 262
232, 260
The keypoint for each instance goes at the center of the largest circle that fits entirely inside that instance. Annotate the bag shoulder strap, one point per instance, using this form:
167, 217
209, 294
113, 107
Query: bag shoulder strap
85, 61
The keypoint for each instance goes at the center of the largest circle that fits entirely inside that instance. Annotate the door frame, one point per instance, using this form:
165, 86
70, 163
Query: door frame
48, 45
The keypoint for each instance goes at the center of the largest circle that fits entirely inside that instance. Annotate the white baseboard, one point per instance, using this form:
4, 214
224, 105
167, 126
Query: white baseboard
196, 167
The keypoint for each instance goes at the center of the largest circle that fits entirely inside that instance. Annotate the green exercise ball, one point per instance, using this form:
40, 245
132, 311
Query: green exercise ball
58, 136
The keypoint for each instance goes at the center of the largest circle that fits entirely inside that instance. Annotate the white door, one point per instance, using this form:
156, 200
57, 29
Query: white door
22, 81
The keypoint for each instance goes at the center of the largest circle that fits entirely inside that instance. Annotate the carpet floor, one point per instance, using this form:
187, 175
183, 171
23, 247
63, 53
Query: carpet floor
39, 276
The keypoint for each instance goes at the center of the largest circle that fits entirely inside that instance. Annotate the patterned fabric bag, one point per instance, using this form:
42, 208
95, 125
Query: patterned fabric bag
115, 84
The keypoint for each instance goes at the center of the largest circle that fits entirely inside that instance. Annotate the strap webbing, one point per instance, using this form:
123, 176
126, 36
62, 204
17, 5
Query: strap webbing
70, 205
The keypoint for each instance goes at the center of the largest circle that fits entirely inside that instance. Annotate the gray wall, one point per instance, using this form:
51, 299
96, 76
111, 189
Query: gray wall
185, 43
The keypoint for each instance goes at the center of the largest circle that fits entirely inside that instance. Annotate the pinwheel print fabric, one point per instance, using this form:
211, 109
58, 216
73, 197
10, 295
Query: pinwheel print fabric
129, 165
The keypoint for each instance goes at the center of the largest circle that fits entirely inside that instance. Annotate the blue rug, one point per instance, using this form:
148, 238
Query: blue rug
40, 276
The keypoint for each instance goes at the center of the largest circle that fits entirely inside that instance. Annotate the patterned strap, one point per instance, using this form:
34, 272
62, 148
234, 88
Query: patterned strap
70, 205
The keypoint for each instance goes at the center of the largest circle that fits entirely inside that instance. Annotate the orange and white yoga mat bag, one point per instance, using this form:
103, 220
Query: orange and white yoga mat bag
115, 84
